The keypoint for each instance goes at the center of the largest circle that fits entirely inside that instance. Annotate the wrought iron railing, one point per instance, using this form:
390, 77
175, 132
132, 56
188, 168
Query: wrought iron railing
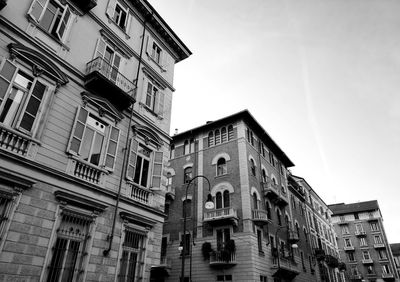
220, 257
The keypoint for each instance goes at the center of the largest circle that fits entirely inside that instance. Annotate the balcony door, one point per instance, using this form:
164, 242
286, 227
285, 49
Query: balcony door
110, 60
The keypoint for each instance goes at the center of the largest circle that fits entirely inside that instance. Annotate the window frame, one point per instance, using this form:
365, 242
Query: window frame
221, 168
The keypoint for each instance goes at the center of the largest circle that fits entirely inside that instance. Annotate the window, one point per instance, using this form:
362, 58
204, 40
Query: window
223, 135
223, 236
345, 229
363, 242
187, 241
52, 17
221, 167
154, 98
6, 201
359, 228
151, 95
93, 140
252, 167
356, 216
156, 53
271, 159
69, 249
259, 241
210, 139
382, 254
370, 270
366, 255
263, 278
138, 170
255, 201
217, 137
378, 239
268, 208
279, 216
386, 269
347, 242
187, 208
132, 259
187, 174
224, 277
222, 200
350, 256
169, 180
374, 226
354, 270
21, 98
110, 61
264, 176
230, 132
186, 147
120, 16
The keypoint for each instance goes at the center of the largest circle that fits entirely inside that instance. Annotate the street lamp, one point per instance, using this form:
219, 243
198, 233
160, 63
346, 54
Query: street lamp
209, 205
294, 246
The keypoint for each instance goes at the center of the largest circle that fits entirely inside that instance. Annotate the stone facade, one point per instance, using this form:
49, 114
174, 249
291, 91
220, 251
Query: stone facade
85, 106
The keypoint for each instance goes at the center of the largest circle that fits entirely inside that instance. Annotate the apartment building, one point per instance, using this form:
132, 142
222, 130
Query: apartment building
362, 241
322, 235
85, 104
396, 256
257, 229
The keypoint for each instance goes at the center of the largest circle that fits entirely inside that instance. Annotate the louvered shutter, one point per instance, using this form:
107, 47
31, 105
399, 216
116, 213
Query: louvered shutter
160, 104
78, 131
63, 25
112, 148
37, 8
111, 8
157, 169
130, 169
6, 75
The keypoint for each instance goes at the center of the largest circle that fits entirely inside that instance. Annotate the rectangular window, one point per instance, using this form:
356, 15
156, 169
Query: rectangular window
156, 53
263, 278
382, 254
374, 226
350, 256
259, 241
120, 16
51, 16
132, 258
69, 248
363, 242
347, 242
223, 236
154, 97
378, 239
366, 255
21, 98
93, 140
345, 229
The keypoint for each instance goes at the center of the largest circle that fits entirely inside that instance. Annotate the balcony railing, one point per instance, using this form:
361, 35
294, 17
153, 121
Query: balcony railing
139, 194
379, 245
260, 217
105, 80
15, 142
387, 275
275, 193
222, 258
220, 214
360, 233
367, 261
86, 171
348, 248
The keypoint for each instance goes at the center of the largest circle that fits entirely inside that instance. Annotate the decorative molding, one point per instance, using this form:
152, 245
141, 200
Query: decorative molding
68, 198
137, 219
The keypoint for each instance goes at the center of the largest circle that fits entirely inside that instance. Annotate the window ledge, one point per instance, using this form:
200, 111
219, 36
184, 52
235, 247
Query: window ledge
150, 111
36, 24
123, 30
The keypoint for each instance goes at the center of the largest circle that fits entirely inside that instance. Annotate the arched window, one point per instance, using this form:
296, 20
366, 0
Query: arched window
221, 166
252, 167
297, 229
169, 180
230, 132
191, 145
217, 137
286, 219
255, 201
210, 139
218, 200
279, 216
223, 135
187, 205
226, 199
268, 207
264, 176
274, 180
187, 174
222, 200
305, 234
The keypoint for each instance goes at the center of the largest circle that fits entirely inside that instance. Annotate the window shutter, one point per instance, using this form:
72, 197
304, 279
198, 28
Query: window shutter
144, 90
100, 48
62, 27
111, 8
112, 148
149, 45
160, 104
6, 75
157, 169
130, 170
77, 131
36, 9
32, 107
128, 23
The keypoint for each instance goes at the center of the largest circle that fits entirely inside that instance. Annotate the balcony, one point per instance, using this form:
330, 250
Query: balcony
287, 268
367, 261
86, 171
387, 276
355, 277
105, 80
275, 194
348, 248
170, 191
15, 142
260, 217
139, 194
85, 5
360, 233
293, 236
222, 259
3, 3
221, 216
379, 246
342, 222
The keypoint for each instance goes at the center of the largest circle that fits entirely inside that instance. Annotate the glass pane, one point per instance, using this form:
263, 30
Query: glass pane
157, 169
37, 8
138, 168
8, 71
79, 128
75, 145
82, 115
57, 259
96, 150
87, 143
110, 161
11, 106
27, 122
145, 173
70, 261
3, 88
122, 270
114, 133
112, 148
48, 17
132, 267
33, 106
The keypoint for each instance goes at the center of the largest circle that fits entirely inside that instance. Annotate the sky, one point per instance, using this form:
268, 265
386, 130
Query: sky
322, 78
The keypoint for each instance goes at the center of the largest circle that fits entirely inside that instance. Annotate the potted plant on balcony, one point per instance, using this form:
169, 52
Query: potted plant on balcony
206, 250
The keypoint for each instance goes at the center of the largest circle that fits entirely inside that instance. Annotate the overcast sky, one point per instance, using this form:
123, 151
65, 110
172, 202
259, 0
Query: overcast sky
322, 77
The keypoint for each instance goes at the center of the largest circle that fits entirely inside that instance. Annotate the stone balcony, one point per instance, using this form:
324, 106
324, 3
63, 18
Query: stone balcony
260, 217
17, 143
221, 216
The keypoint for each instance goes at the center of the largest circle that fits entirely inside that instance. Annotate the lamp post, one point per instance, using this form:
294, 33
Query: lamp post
294, 246
208, 205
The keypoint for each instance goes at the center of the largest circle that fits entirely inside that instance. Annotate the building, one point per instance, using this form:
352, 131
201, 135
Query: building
322, 235
396, 256
257, 230
362, 241
85, 104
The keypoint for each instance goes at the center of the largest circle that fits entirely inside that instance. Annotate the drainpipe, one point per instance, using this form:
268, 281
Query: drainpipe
126, 151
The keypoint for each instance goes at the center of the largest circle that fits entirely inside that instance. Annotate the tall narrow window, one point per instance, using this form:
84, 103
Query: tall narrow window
279, 216
255, 201
5, 208
264, 176
226, 199
142, 166
187, 174
120, 16
223, 135
222, 199
156, 53
259, 241
132, 259
69, 248
221, 166
187, 241
223, 236
210, 139
252, 167
268, 207
217, 137
186, 147
230, 132
151, 96
187, 206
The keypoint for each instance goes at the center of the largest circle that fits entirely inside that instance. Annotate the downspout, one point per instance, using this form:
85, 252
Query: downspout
126, 151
